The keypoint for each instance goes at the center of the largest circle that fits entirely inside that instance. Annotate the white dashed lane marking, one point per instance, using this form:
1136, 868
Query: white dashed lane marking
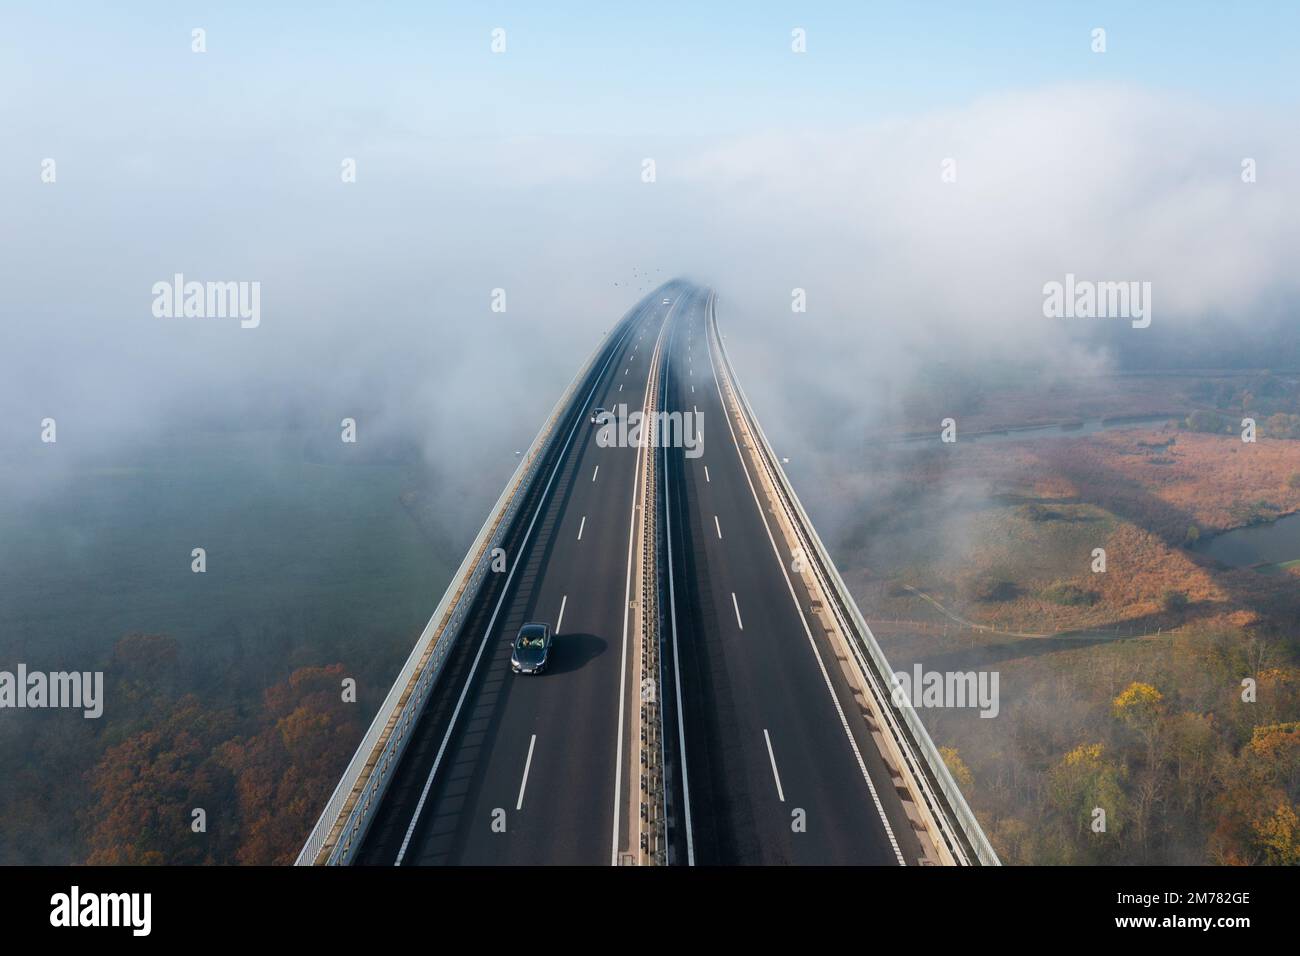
523, 784
772, 757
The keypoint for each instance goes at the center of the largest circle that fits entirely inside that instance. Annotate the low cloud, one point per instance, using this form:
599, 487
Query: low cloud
375, 295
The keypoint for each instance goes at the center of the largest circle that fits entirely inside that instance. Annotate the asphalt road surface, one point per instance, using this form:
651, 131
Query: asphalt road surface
529, 769
779, 766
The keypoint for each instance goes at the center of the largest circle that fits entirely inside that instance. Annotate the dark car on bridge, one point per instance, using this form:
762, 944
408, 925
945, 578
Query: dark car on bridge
532, 649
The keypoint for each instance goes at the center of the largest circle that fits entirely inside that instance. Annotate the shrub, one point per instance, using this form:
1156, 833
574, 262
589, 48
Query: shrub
1063, 592
988, 588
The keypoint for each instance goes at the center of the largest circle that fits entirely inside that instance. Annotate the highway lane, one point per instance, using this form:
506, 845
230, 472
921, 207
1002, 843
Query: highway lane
530, 770
773, 737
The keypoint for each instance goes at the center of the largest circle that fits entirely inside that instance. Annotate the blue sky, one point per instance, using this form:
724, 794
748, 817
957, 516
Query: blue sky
633, 69
523, 170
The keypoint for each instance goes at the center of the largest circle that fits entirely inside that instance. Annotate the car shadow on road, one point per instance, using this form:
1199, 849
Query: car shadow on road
572, 652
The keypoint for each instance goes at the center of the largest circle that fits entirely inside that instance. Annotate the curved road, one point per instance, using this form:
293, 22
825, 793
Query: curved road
529, 770
779, 765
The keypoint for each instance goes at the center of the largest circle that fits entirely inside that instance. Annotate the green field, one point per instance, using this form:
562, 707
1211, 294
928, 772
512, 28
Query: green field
323, 555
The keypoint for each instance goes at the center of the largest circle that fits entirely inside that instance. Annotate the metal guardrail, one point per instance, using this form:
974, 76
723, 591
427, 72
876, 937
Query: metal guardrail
652, 827
343, 823
963, 832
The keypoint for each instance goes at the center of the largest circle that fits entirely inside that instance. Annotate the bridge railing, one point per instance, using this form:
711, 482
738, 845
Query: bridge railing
962, 830
651, 763
347, 815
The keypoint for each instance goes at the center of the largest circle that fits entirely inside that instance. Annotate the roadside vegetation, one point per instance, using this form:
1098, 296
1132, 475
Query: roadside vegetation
1164, 690
257, 768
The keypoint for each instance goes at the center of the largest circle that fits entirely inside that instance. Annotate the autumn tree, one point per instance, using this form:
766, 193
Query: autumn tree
1258, 807
286, 770
957, 767
148, 786
1081, 782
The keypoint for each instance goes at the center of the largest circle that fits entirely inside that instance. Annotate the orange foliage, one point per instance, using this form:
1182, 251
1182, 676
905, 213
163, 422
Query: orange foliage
261, 781
285, 773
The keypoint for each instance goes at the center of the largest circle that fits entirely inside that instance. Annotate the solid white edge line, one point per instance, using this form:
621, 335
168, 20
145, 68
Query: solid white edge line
487, 633
519, 804
770, 756
844, 722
